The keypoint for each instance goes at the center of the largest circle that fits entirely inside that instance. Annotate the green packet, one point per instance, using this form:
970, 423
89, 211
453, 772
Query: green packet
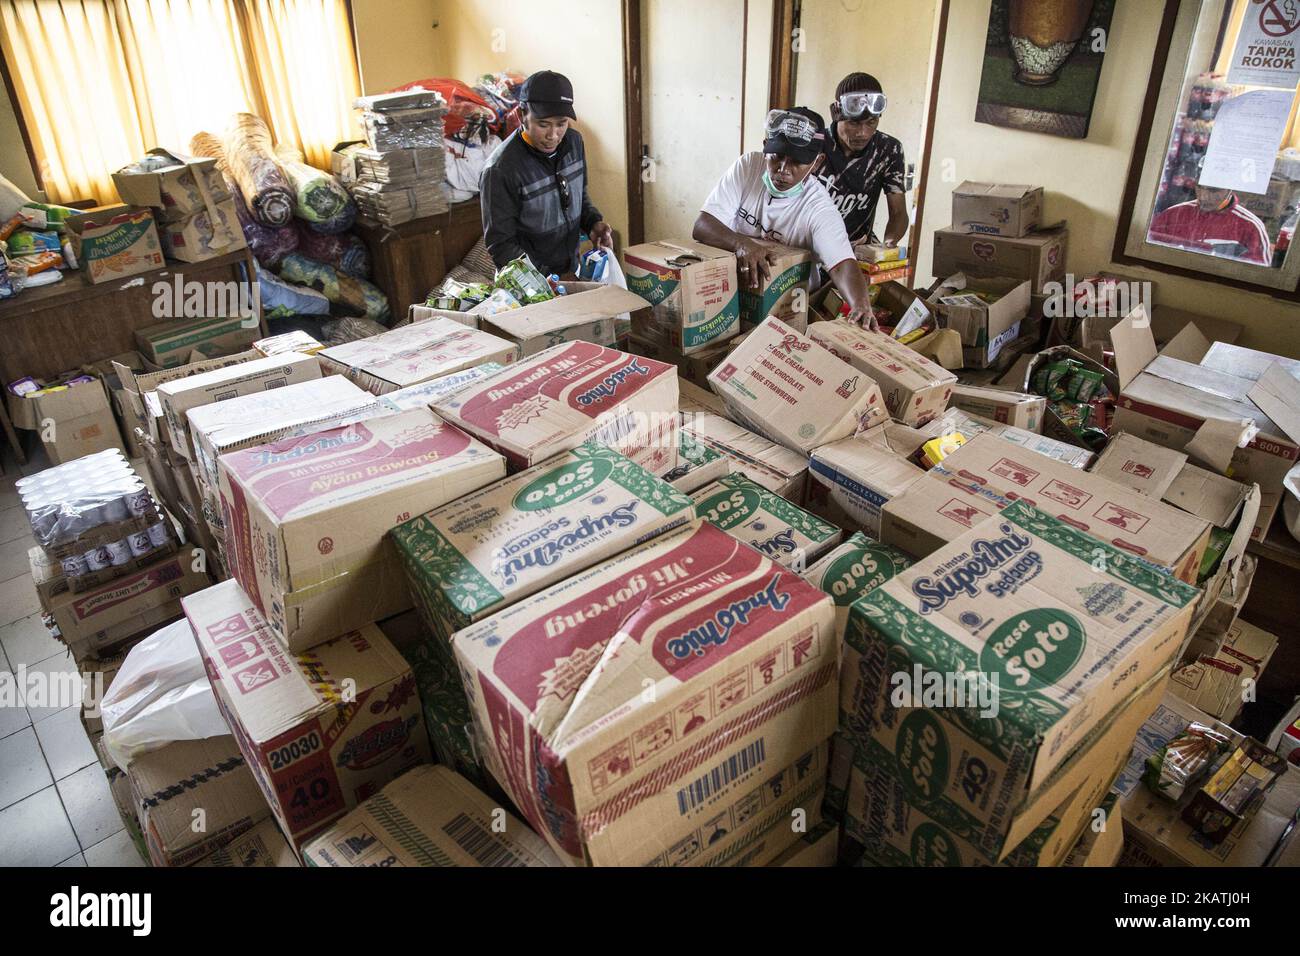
522, 280
1049, 381
1084, 384
1220, 538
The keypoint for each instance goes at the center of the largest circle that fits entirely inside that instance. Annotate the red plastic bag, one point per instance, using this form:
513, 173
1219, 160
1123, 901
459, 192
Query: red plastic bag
463, 104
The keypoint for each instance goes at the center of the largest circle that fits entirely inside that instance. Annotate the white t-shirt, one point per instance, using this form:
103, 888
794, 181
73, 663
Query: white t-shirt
810, 220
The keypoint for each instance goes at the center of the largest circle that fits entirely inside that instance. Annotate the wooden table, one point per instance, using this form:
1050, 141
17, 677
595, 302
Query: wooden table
72, 323
408, 260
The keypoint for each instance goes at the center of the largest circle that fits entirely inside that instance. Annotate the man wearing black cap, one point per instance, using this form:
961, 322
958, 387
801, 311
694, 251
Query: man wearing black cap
775, 195
533, 191
864, 162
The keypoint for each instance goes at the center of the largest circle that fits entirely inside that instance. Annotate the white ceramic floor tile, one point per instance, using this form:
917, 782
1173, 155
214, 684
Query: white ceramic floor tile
90, 805
13, 714
14, 524
18, 599
36, 832
61, 682
117, 850
77, 860
29, 641
13, 557
64, 742
22, 768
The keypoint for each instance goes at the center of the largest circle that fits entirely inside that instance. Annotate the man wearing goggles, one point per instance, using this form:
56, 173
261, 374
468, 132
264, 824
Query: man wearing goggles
775, 196
864, 162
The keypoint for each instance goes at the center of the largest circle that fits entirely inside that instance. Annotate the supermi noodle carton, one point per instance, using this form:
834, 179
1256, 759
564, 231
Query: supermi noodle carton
322, 731
306, 518
480, 553
1067, 625
765, 521
622, 708
570, 393
792, 391
857, 566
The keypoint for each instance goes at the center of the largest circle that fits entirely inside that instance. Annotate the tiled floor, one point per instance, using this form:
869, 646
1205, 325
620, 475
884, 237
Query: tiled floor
55, 806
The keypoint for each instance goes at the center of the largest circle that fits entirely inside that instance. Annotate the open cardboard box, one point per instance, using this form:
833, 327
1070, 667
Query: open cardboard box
985, 327
1173, 398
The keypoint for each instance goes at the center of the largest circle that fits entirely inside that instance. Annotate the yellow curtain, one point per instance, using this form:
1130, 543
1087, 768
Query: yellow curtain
99, 82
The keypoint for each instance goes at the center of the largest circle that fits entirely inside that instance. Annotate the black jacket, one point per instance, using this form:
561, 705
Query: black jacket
522, 209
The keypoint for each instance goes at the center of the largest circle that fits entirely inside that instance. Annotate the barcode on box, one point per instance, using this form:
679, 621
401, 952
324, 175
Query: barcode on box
480, 843
735, 766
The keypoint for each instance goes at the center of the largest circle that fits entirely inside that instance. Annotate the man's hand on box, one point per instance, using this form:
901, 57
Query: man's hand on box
753, 262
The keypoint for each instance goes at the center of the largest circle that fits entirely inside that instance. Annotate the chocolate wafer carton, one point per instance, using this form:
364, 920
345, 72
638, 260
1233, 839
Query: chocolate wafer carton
621, 707
568, 394
793, 391
915, 389
765, 521
307, 518
321, 731
1033, 631
414, 353
429, 816
489, 549
775, 467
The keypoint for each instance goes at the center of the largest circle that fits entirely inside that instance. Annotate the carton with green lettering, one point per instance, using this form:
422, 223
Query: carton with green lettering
692, 292
784, 293
982, 668
765, 521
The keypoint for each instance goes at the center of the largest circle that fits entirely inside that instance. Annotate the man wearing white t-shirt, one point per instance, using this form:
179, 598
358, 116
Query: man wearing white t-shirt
775, 195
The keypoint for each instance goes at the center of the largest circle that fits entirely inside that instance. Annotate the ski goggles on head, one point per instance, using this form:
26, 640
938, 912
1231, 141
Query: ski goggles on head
858, 105
791, 127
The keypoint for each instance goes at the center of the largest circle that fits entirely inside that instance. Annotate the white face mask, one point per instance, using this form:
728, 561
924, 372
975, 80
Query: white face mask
791, 193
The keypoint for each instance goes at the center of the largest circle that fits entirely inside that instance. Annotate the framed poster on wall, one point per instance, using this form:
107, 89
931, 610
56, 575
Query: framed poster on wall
1042, 63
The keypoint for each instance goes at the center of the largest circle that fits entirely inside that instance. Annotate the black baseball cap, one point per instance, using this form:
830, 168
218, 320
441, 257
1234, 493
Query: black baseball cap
777, 143
547, 94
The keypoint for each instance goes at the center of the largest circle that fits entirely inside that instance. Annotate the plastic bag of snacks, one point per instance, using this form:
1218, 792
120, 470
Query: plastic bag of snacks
1078, 396
454, 295
524, 282
1173, 769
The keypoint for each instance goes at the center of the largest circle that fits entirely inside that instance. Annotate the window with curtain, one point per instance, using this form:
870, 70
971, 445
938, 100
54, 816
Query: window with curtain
1220, 183
100, 82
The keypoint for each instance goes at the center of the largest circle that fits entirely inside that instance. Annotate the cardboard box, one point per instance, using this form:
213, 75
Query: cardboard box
692, 291
169, 344
986, 327
76, 422
793, 391
193, 184
424, 394
907, 309
307, 518
1017, 409
263, 845
784, 295
693, 398
1196, 409
413, 354
852, 570
1102, 842
997, 209
140, 389
314, 756
610, 774
775, 467
694, 368
1217, 683
756, 827
1147, 468
127, 606
1067, 625
956, 420
295, 341
854, 478
569, 394
205, 235
1037, 258
986, 474
818, 848
1229, 603
429, 816
765, 521
507, 541
178, 397
186, 777
109, 250
697, 464
1021, 376
259, 418
1155, 833
915, 389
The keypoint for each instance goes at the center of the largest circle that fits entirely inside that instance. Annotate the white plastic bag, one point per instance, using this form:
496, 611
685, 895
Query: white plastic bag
161, 694
601, 265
